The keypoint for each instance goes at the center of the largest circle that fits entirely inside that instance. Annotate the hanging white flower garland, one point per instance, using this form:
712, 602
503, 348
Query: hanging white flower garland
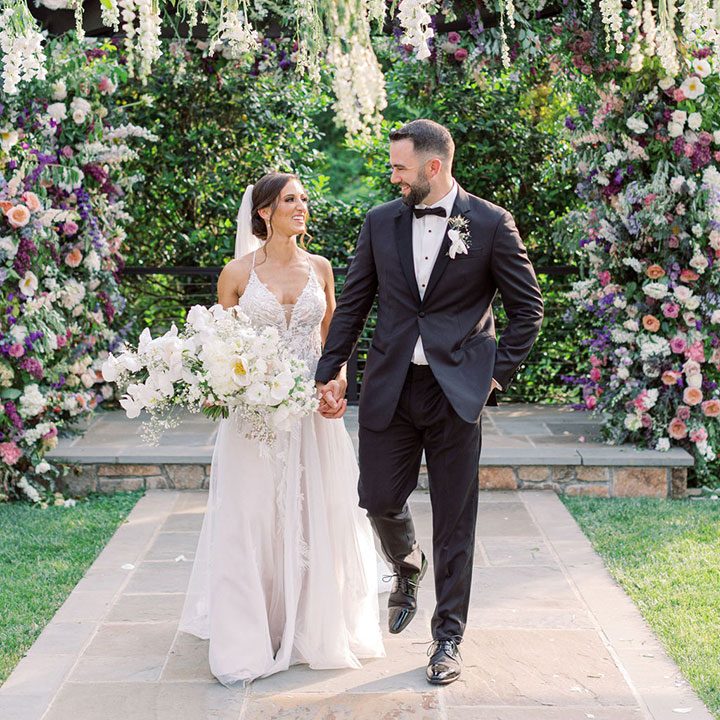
340, 31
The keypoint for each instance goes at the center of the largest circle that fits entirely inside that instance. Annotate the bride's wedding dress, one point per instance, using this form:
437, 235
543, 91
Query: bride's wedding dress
285, 570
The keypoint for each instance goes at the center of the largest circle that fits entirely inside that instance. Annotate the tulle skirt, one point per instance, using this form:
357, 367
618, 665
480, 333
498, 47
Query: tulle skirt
286, 569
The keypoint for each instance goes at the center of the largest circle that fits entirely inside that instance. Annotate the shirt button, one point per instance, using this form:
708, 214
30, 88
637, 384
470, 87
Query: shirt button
422, 312
426, 257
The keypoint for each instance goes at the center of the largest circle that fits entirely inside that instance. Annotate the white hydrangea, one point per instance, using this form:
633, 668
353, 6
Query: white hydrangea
654, 346
32, 402
634, 263
30, 492
655, 290
622, 336
663, 444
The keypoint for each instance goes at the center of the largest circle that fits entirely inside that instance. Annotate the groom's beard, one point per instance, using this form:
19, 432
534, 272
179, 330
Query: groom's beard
419, 190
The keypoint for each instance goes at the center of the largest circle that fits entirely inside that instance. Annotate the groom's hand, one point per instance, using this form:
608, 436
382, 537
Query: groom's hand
332, 399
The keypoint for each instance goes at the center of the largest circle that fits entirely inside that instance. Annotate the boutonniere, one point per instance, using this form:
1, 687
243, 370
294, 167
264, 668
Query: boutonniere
459, 236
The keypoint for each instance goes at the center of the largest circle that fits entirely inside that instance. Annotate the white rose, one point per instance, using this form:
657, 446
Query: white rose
675, 129
666, 82
715, 317
678, 116
682, 293
677, 183
695, 120
633, 422
715, 240
57, 111
78, 117
699, 262
694, 380
623, 373
631, 325
692, 303
42, 467
716, 136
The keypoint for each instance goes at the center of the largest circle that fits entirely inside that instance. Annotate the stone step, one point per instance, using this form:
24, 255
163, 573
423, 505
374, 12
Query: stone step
524, 447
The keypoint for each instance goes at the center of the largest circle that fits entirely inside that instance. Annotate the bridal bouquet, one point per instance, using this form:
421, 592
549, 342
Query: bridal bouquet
216, 364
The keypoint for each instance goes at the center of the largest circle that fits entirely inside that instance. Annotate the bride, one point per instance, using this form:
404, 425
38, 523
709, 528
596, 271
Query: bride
285, 570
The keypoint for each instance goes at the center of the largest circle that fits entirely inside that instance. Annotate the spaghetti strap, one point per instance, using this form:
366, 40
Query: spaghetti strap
253, 262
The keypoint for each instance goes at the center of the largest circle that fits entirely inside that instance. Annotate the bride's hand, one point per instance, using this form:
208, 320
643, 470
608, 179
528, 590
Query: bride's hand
332, 401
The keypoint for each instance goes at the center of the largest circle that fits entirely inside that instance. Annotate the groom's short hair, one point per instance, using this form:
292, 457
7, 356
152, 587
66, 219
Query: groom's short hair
427, 137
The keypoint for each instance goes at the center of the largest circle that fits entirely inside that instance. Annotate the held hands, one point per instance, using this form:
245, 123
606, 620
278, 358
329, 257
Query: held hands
332, 399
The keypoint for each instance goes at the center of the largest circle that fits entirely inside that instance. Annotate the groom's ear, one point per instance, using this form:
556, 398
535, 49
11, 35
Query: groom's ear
434, 166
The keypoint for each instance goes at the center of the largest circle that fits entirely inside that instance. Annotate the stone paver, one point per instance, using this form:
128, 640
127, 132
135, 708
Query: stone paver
550, 637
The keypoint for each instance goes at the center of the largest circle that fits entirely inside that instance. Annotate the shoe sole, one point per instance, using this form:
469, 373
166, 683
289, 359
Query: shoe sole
442, 682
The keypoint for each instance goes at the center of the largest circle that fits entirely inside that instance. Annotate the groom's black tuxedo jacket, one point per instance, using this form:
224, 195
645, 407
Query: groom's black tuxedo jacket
454, 317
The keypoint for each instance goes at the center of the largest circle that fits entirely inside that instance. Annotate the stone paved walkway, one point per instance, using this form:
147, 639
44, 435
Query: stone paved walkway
550, 637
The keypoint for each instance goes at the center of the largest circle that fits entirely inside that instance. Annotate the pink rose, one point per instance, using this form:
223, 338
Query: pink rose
70, 227
692, 396
698, 435
590, 401
50, 433
16, 350
673, 241
61, 340
453, 38
18, 216
683, 412
705, 138
10, 452
696, 352
31, 200
711, 408
646, 421
670, 377
460, 54
678, 344
677, 429
671, 309
595, 361
678, 94
595, 374
689, 150
604, 277
67, 152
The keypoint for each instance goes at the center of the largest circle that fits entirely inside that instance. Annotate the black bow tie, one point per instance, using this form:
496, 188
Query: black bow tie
421, 212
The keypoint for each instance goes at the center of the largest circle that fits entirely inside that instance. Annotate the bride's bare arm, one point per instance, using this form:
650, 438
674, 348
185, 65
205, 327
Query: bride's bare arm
232, 281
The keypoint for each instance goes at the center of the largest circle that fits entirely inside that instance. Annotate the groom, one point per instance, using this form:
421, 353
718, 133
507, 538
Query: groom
434, 259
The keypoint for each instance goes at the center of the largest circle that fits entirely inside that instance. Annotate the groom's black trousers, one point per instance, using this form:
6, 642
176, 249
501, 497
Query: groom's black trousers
389, 466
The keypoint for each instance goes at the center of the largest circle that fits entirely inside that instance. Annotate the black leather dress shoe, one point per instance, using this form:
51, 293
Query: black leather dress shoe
444, 666
402, 603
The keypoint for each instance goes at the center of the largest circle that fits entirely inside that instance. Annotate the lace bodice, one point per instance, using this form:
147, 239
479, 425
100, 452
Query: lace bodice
298, 324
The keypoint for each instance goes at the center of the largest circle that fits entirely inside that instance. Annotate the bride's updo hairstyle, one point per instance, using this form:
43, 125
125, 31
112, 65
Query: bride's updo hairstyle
266, 193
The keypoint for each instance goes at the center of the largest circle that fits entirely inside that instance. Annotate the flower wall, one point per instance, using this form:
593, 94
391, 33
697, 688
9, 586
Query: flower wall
62, 189
648, 151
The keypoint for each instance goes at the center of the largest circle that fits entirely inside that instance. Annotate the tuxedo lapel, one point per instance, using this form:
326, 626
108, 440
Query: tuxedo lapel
403, 239
460, 206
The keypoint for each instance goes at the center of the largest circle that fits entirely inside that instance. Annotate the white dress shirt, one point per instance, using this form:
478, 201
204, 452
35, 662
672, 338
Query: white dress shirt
427, 237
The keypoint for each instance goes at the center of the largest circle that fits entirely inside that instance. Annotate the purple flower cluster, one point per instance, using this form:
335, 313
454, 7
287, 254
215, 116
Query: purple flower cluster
33, 366
12, 413
27, 249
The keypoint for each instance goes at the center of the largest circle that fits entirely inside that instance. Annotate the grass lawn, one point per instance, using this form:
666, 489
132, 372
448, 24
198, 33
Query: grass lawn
666, 555
43, 554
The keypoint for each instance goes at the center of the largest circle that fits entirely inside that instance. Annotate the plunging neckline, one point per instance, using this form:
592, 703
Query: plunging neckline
288, 319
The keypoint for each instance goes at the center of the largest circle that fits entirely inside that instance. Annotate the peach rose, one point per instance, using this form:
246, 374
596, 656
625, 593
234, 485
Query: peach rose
18, 216
74, 258
32, 201
677, 429
651, 323
5, 205
711, 408
670, 377
692, 396
654, 272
